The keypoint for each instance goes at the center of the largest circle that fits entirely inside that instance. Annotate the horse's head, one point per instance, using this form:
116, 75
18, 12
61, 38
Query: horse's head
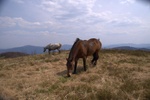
69, 65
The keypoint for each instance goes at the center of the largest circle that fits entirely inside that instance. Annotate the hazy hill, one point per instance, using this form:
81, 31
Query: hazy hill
66, 47
146, 46
25, 49
31, 49
130, 48
39, 50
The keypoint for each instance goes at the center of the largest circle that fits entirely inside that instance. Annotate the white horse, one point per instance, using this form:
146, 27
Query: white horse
53, 47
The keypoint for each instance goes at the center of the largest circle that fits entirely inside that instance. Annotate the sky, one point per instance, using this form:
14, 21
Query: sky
40, 22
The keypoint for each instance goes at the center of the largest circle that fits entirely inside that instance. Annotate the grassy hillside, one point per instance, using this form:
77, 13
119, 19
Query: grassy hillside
12, 54
119, 75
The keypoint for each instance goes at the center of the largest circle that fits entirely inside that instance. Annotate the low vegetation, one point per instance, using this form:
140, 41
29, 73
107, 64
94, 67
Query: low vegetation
118, 75
13, 54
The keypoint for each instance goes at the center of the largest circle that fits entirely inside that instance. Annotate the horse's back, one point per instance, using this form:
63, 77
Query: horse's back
88, 47
94, 45
55, 46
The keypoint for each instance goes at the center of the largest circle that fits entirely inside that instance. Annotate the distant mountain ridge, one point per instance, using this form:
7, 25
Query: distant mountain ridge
24, 49
39, 50
125, 48
31, 49
130, 48
146, 46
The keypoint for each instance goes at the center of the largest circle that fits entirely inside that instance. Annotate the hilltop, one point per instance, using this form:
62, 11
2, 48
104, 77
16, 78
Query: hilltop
13, 54
29, 49
119, 75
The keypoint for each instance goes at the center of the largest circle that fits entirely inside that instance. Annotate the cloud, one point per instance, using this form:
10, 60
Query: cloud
50, 5
56, 20
79, 12
127, 1
69, 9
126, 22
26, 24
6, 22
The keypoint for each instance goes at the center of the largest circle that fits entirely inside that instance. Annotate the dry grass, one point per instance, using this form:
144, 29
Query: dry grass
119, 75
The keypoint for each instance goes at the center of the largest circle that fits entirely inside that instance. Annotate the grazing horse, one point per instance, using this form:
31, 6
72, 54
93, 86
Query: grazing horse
83, 49
52, 47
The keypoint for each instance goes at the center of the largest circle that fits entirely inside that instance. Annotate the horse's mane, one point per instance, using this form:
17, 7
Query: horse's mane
77, 39
75, 43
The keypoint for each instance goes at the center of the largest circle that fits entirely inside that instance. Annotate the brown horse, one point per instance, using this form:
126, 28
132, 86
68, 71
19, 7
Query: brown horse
83, 49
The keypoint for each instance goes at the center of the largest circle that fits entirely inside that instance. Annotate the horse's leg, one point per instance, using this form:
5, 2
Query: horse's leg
58, 50
84, 63
75, 67
96, 56
92, 61
49, 51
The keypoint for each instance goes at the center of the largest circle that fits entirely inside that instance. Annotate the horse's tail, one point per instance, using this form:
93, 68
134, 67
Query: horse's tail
60, 45
100, 44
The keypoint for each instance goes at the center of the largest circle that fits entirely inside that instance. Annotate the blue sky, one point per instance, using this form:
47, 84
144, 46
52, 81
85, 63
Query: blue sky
39, 22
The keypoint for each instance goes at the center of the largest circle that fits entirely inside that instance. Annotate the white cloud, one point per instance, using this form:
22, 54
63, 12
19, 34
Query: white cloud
75, 11
6, 22
50, 5
67, 9
88, 4
25, 24
127, 1
126, 22
56, 20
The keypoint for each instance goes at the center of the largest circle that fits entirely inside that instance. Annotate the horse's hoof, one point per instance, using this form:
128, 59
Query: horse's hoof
74, 73
69, 75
